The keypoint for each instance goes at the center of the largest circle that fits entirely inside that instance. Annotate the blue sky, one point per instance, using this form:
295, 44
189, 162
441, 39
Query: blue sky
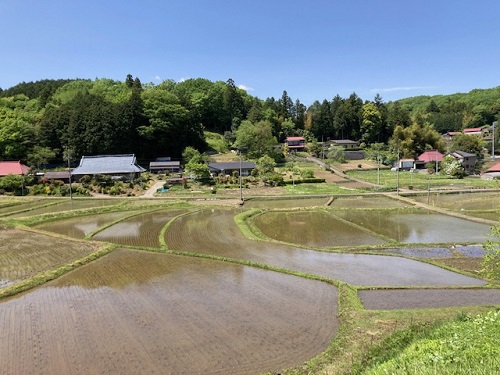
313, 49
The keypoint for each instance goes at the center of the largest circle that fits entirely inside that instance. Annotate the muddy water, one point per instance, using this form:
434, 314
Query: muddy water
464, 201
162, 314
286, 203
214, 232
141, 230
426, 299
417, 226
313, 228
79, 227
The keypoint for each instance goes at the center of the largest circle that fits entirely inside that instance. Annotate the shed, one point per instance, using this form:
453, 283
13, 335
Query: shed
345, 143
58, 175
165, 166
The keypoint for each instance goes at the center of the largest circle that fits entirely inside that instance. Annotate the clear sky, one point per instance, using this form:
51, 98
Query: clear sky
313, 49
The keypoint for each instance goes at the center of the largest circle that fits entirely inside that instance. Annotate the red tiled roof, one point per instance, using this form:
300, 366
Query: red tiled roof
295, 139
12, 167
494, 168
473, 130
430, 156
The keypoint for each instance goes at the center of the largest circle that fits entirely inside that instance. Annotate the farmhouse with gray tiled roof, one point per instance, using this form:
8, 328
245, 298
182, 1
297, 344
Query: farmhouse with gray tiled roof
229, 167
124, 166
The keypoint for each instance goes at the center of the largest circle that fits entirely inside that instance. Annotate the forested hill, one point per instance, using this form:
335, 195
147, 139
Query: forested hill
43, 121
456, 111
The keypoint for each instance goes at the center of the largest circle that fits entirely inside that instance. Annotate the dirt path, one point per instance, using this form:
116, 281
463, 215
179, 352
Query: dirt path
150, 193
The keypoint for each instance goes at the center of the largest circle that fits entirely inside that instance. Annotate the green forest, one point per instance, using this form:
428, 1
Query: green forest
51, 121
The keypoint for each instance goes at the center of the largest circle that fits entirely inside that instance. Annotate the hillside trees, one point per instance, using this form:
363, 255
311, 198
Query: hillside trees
256, 139
415, 139
170, 129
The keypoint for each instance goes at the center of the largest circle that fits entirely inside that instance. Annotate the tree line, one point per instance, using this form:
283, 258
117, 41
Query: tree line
51, 121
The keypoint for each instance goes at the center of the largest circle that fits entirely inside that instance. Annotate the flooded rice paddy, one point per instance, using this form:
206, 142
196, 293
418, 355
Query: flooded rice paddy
139, 230
313, 228
360, 227
137, 311
417, 226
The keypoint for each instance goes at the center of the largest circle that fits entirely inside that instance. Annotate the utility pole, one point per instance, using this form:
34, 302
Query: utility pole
397, 171
493, 141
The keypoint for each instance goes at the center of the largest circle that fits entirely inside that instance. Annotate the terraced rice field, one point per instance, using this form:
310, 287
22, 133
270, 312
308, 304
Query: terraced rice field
139, 230
135, 312
24, 254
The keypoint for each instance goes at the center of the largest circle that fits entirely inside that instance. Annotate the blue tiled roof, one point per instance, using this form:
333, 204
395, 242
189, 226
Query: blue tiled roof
107, 164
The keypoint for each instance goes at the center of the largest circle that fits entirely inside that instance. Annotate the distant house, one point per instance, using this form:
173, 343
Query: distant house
480, 132
116, 166
295, 143
229, 167
474, 131
165, 164
492, 172
13, 167
431, 156
345, 143
57, 175
467, 160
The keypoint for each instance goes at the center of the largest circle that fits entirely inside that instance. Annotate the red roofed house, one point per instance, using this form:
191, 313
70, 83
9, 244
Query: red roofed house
492, 172
473, 131
13, 167
295, 143
430, 156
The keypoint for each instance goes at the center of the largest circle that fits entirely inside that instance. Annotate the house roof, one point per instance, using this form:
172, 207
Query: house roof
430, 156
473, 130
57, 175
164, 164
231, 165
295, 139
343, 141
108, 164
493, 168
13, 167
462, 154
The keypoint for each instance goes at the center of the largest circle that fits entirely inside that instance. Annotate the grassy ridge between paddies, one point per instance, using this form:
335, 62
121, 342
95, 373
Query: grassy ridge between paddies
467, 345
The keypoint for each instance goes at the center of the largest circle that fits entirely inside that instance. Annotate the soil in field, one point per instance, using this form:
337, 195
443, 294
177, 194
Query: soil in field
140, 230
134, 312
427, 299
417, 227
20, 205
68, 205
215, 232
24, 254
313, 228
